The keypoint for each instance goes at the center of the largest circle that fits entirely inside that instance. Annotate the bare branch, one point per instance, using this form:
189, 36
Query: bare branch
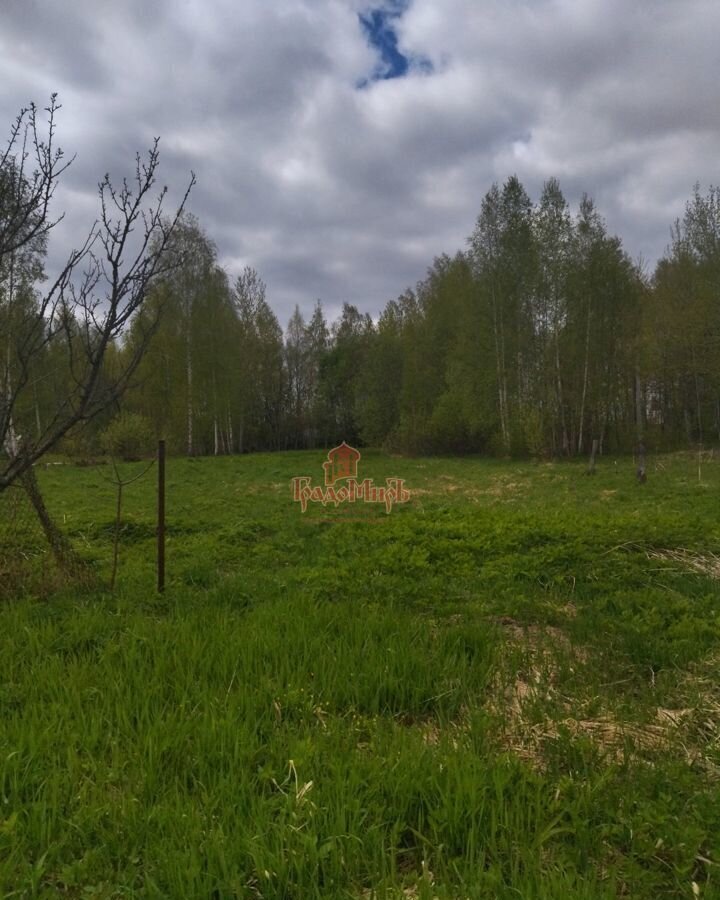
92, 300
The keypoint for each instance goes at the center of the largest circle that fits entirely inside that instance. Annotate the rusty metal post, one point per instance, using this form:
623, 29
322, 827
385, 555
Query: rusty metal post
161, 518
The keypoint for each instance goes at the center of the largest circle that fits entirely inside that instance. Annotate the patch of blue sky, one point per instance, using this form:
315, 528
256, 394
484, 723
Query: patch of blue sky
378, 26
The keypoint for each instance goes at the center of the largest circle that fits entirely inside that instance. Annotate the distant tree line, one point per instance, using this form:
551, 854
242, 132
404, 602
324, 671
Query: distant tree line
539, 338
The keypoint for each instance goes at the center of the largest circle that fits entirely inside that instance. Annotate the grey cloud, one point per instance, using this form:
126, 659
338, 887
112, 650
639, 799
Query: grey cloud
343, 194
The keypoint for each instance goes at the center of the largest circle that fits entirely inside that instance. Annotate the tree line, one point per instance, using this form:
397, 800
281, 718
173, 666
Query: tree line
539, 337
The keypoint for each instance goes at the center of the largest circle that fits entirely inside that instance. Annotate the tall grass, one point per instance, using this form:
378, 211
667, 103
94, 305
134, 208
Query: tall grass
363, 706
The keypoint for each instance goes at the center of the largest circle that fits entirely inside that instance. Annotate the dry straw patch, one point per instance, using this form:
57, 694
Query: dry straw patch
432, 733
519, 699
699, 719
707, 564
500, 487
409, 892
534, 711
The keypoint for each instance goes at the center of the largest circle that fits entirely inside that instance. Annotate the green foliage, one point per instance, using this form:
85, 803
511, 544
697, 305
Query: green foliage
129, 437
448, 425
534, 436
81, 445
537, 340
325, 705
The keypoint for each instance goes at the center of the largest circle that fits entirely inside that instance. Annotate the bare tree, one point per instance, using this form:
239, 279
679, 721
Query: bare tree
92, 300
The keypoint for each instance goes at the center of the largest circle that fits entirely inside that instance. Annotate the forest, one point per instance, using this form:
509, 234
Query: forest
538, 338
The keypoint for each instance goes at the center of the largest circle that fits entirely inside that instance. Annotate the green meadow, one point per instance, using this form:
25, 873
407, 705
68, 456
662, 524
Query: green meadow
506, 688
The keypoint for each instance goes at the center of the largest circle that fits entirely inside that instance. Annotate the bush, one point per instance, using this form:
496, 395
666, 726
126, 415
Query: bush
129, 437
81, 445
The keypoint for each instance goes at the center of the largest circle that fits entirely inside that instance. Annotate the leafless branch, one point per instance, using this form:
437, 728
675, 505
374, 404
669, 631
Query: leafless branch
94, 298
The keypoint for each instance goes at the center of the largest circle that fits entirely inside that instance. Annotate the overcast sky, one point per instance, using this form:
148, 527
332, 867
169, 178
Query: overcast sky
339, 146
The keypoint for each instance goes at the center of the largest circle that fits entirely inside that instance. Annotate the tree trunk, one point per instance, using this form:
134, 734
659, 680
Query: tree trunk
585, 381
591, 466
189, 376
38, 421
59, 544
641, 473
502, 390
504, 387
560, 402
696, 379
603, 428
638, 406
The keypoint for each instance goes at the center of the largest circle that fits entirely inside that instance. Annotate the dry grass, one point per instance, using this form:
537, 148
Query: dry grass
534, 710
500, 488
526, 700
700, 716
410, 892
703, 563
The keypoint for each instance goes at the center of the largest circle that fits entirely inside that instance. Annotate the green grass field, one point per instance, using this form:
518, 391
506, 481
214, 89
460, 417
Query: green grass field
507, 688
